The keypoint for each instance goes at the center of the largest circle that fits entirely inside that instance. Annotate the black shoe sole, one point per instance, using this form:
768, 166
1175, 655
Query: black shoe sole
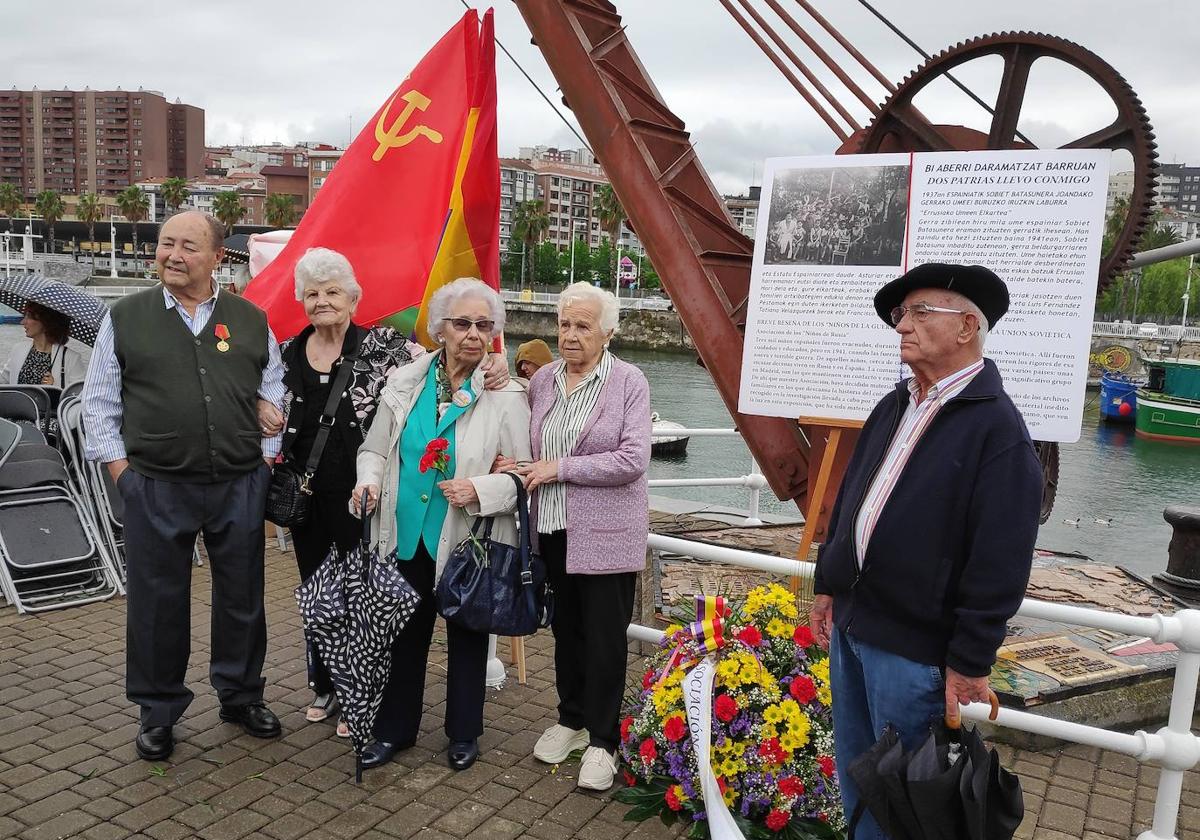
274, 733
146, 755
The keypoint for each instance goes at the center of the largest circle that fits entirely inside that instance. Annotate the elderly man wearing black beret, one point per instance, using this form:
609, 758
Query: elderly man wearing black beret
931, 539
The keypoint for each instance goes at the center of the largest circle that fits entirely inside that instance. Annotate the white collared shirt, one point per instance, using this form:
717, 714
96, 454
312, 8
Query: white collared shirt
913, 423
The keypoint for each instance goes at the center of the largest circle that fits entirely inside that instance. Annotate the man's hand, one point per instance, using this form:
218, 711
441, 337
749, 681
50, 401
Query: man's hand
270, 462
538, 473
495, 372
115, 468
459, 492
963, 690
503, 464
820, 619
371, 492
270, 418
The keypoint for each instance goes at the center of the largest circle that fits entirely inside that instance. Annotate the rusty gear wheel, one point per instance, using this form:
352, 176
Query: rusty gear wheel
900, 127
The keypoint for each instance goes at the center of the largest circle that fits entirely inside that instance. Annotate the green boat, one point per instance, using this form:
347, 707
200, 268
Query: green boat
1168, 406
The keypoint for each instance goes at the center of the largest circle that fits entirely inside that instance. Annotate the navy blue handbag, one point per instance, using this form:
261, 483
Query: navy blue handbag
491, 587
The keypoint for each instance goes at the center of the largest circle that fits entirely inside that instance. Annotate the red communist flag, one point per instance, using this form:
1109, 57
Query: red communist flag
415, 201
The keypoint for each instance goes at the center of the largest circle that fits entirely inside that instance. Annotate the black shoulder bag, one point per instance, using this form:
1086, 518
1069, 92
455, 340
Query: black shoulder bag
490, 587
289, 493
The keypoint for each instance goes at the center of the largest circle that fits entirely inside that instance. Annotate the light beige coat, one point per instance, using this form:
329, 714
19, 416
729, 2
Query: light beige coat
497, 423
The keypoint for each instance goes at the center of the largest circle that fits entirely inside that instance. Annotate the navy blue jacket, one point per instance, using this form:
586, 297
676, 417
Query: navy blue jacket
949, 559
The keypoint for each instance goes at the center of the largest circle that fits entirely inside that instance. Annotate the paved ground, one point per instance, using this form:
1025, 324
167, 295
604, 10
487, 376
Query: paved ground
68, 769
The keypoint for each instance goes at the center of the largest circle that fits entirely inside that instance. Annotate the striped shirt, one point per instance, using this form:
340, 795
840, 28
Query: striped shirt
102, 407
560, 433
913, 424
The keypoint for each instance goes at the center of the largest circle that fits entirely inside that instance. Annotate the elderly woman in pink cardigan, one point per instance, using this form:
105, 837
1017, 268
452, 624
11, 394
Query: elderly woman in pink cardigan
590, 437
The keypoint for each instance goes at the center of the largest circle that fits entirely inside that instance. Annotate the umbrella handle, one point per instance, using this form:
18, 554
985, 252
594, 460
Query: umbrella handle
955, 721
366, 521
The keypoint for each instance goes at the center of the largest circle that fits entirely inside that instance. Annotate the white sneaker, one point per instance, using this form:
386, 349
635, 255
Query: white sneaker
558, 742
597, 770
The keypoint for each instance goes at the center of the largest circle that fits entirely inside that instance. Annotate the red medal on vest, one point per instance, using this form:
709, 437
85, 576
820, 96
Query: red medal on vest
222, 333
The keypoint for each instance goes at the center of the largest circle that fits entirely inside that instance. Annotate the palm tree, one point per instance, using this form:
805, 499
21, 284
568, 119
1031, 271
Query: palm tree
280, 210
227, 207
88, 211
10, 201
49, 206
174, 193
529, 224
134, 205
611, 214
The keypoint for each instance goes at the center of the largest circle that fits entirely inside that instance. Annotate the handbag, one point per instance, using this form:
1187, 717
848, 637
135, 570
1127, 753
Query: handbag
491, 587
289, 494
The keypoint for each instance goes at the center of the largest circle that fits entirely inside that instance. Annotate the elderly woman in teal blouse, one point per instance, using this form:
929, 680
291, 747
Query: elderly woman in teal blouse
437, 403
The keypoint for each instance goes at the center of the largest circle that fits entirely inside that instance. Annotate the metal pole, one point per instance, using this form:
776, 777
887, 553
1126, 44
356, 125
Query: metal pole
1178, 734
1187, 293
755, 488
1137, 291
572, 250
112, 247
522, 284
617, 273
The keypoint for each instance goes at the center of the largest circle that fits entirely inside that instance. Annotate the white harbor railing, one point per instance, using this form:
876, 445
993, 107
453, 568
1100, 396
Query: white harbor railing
1148, 331
661, 304
1173, 747
753, 481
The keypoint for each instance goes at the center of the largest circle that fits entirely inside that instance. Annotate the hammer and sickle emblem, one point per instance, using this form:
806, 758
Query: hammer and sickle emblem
390, 137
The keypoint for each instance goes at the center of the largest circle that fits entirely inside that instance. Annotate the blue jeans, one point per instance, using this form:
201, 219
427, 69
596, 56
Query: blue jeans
872, 688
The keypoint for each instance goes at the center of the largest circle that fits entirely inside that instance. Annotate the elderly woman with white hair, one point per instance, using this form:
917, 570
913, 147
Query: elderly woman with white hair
326, 285
438, 404
590, 435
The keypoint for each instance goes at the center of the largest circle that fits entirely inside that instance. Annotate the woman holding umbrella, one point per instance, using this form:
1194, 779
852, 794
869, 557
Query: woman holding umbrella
43, 356
431, 449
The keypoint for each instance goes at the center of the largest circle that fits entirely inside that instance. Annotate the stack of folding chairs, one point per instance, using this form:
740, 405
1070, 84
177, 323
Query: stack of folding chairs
51, 555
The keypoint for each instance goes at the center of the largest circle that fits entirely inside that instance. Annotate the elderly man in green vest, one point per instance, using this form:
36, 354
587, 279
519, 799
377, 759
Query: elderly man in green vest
170, 409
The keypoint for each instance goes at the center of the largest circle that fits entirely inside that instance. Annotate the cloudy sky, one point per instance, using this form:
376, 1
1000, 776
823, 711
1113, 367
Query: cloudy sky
300, 70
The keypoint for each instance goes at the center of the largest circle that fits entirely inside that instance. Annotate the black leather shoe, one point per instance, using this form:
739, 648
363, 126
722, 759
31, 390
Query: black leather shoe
255, 718
462, 754
154, 743
379, 753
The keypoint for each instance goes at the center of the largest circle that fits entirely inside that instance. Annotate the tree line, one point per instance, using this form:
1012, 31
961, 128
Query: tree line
1154, 293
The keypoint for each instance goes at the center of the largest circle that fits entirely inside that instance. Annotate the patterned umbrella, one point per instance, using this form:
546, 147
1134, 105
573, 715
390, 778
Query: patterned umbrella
85, 311
353, 607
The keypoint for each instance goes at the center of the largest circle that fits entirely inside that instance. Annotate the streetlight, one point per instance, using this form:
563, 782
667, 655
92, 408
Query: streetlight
112, 243
575, 223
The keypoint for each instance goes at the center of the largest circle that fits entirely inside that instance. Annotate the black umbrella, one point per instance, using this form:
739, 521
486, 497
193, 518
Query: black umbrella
353, 607
951, 787
85, 311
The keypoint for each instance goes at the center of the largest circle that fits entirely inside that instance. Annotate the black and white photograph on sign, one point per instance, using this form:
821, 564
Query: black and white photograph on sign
838, 216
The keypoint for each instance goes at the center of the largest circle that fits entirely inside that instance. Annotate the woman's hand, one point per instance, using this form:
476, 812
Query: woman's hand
270, 418
459, 492
495, 371
371, 491
538, 473
48, 379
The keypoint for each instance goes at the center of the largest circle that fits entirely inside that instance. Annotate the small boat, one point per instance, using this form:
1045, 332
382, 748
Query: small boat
668, 444
1118, 398
1168, 405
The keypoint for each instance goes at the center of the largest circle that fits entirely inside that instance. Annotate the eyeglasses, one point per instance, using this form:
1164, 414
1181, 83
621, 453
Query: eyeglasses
920, 312
462, 325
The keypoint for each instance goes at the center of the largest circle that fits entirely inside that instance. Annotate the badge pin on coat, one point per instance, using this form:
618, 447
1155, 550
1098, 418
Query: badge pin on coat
222, 333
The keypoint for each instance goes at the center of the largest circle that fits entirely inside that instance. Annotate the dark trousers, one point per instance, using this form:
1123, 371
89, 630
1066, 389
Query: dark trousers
330, 524
399, 719
591, 616
162, 520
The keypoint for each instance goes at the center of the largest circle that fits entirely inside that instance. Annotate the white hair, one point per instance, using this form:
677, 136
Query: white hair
605, 302
961, 301
321, 265
443, 301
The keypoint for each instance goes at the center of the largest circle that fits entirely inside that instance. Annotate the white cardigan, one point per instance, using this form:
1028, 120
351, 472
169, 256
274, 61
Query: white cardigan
497, 423
68, 368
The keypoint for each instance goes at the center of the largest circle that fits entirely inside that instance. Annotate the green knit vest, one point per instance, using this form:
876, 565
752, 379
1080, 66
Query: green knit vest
190, 407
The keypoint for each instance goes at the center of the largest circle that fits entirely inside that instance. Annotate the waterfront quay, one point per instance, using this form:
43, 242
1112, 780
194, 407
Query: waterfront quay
68, 769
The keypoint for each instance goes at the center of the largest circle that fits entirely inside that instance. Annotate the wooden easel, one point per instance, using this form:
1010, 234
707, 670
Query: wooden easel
821, 492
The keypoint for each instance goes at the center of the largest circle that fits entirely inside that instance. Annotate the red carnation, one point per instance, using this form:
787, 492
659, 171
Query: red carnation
625, 725
721, 785
648, 751
438, 445
648, 678
630, 779
750, 636
777, 820
803, 689
426, 462
674, 729
825, 762
726, 708
672, 800
803, 636
791, 786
